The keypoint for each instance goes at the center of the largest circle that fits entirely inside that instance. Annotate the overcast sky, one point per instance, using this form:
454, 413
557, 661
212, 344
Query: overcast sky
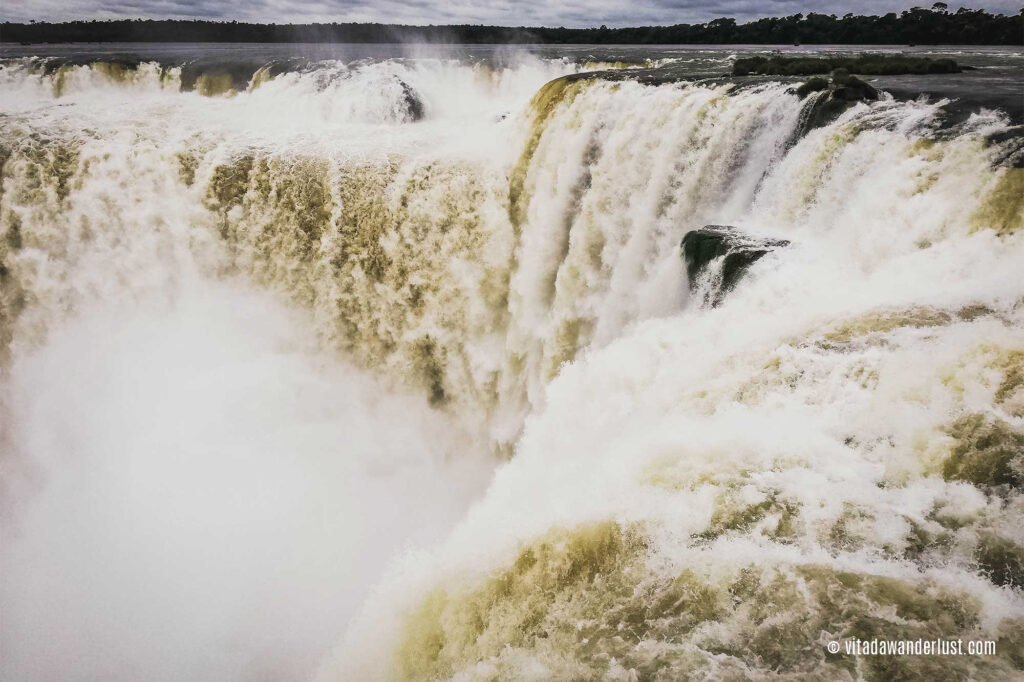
502, 12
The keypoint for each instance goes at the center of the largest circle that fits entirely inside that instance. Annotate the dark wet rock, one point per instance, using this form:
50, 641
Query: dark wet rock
1009, 146
717, 257
832, 99
813, 85
865, 64
850, 88
413, 103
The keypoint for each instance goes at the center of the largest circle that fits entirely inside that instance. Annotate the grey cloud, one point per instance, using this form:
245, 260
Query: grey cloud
501, 12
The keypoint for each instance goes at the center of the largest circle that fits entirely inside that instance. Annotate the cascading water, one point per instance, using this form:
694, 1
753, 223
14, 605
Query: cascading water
424, 324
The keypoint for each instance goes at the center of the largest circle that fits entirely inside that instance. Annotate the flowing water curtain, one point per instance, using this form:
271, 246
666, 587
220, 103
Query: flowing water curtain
832, 449
718, 492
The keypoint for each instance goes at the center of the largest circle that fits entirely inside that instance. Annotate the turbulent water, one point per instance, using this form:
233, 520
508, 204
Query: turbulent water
384, 364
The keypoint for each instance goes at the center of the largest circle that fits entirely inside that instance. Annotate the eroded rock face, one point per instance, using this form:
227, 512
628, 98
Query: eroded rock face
717, 256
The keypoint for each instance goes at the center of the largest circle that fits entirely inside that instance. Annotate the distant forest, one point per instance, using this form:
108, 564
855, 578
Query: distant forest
934, 26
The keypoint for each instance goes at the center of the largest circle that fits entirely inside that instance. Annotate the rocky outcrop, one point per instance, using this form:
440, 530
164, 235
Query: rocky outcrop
834, 97
850, 88
717, 257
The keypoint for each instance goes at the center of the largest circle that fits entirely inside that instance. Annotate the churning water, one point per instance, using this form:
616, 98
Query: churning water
381, 363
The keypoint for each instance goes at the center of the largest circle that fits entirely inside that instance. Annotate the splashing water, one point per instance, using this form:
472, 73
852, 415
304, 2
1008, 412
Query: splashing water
424, 325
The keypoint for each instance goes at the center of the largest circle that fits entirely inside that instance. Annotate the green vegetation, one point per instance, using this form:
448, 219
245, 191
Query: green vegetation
934, 26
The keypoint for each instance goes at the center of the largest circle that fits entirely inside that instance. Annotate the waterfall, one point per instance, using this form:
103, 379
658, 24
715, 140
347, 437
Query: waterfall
352, 291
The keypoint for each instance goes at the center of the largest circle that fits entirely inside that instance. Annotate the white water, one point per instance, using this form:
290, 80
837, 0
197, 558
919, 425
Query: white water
205, 496
198, 485
296, 110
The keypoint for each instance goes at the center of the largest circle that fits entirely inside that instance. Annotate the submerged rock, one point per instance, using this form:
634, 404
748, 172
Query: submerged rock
721, 246
413, 103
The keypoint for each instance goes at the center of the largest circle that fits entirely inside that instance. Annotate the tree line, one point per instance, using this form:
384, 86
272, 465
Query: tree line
934, 26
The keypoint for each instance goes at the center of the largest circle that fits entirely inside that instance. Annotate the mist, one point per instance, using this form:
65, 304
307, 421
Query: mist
204, 496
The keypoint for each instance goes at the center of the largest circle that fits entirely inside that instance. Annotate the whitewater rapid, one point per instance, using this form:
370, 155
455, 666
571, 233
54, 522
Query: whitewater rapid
400, 356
